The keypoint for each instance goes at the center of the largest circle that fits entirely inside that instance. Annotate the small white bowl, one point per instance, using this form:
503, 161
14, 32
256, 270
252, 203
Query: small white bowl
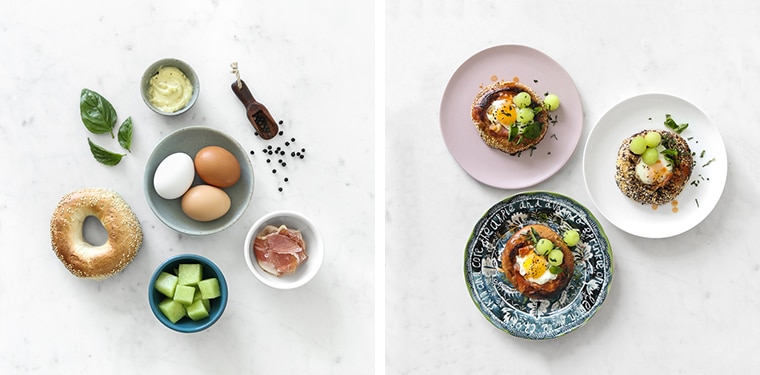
314, 249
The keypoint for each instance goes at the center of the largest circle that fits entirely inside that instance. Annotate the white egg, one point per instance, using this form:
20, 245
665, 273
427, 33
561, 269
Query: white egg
657, 173
174, 175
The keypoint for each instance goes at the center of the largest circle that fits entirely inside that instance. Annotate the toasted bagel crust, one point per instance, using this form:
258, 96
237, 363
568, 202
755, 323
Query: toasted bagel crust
522, 240
630, 185
81, 258
500, 140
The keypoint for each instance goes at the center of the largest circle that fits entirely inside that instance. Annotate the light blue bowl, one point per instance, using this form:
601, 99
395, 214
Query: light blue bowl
187, 325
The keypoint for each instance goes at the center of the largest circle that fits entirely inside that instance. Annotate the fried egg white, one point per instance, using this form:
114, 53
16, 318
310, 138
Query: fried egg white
657, 173
502, 112
535, 268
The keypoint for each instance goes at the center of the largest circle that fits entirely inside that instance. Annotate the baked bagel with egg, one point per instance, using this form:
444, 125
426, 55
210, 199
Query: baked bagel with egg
529, 272
660, 182
495, 116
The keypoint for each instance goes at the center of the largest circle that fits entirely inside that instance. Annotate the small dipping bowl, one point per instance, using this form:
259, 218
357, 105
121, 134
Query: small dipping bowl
187, 325
190, 140
314, 249
153, 70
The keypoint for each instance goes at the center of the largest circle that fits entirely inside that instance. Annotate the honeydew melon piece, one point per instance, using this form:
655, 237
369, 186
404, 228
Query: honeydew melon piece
190, 274
197, 310
165, 284
184, 294
199, 297
209, 288
172, 310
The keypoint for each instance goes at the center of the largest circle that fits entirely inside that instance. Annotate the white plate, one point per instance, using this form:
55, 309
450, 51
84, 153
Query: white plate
700, 195
491, 166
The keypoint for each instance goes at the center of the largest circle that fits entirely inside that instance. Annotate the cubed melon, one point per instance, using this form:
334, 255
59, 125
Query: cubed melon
172, 310
197, 310
209, 288
190, 274
184, 294
165, 284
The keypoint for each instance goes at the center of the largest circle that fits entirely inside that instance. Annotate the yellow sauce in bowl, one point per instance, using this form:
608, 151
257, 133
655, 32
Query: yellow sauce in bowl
170, 89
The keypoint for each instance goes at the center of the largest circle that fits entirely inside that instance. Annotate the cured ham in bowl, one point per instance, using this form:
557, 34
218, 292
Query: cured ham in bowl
279, 250
283, 249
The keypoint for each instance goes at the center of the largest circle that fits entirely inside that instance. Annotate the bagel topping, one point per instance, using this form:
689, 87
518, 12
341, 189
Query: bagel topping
658, 173
538, 261
534, 267
510, 117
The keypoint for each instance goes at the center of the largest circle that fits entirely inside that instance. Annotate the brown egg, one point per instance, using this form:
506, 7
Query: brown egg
217, 166
205, 203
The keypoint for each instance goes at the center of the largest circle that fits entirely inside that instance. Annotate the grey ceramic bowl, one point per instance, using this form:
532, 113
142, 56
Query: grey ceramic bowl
190, 140
153, 70
315, 249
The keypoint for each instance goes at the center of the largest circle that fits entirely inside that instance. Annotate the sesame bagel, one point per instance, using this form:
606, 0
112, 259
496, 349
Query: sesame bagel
82, 258
668, 188
499, 135
522, 244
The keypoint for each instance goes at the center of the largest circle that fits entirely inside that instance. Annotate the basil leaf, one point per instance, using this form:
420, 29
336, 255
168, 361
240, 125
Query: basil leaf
670, 123
533, 130
97, 113
104, 156
125, 134
556, 270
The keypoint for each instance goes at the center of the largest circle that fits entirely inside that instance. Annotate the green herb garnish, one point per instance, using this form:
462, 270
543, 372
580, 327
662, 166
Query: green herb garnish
555, 270
534, 236
532, 130
671, 155
125, 134
98, 115
670, 123
104, 156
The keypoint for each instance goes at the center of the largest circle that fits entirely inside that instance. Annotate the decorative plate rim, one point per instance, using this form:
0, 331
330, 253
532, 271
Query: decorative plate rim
543, 319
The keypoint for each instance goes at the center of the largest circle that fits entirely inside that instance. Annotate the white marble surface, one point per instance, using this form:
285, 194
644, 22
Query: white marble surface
678, 305
308, 63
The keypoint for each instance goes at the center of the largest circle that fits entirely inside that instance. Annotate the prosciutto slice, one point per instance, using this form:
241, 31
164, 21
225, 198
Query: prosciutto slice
279, 250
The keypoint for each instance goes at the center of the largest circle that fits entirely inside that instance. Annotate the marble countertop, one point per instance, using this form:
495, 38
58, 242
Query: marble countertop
303, 60
676, 305
682, 304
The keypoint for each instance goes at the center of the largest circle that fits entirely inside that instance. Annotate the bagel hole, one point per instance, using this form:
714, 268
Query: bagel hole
94, 232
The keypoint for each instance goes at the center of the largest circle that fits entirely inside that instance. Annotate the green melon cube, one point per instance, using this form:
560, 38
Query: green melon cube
209, 288
172, 309
184, 294
190, 274
197, 310
165, 284
199, 297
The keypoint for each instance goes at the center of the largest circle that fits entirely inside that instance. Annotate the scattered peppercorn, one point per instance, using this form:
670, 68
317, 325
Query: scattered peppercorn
252, 152
279, 188
274, 171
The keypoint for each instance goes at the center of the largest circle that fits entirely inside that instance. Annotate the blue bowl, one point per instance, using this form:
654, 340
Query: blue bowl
187, 325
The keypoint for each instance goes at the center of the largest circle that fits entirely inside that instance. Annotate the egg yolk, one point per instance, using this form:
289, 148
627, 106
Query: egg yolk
535, 266
503, 111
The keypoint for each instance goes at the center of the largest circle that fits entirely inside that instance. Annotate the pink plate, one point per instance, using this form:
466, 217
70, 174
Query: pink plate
493, 167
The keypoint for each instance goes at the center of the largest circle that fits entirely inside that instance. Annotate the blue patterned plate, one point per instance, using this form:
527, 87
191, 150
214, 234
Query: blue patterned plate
501, 303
